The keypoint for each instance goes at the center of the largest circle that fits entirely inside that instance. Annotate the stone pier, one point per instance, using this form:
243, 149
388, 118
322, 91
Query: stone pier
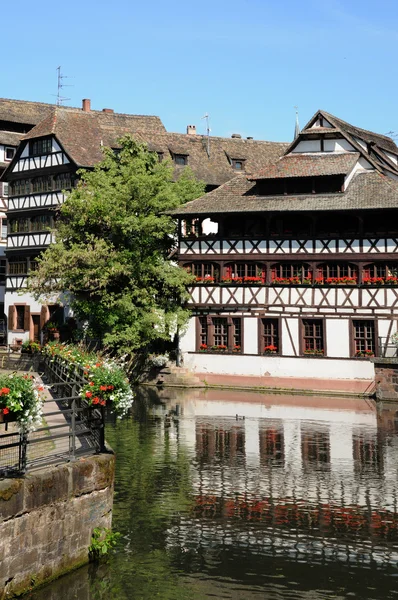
47, 519
386, 378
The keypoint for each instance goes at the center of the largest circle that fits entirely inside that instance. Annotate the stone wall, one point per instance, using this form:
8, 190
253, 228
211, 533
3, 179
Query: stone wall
47, 519
386, 377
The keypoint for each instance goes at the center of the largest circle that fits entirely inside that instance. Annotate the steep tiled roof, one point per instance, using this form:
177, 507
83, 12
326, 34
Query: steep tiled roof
307, 165
23, 111
83, 133
367, 190
215, 167
383, 141
9, 138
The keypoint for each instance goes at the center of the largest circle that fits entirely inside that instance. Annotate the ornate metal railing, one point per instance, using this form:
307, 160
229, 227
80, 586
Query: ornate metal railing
70, 429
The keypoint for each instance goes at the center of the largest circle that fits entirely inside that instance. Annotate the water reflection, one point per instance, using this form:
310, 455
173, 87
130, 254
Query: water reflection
234, 495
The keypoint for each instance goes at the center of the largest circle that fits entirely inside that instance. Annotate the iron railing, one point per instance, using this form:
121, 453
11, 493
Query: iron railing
70, 429
386, 348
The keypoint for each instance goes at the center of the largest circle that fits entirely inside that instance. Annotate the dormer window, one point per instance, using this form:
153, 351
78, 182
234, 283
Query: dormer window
181, 159
38, 147
160, 156
9, 153
238, 164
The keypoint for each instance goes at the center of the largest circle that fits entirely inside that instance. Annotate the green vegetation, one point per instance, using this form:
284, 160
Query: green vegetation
102, 541
113, 240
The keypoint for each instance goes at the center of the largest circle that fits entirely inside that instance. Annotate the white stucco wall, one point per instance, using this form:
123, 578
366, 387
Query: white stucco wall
290, 337
308, 146
338, 337
279, 366
338, 145
250, 336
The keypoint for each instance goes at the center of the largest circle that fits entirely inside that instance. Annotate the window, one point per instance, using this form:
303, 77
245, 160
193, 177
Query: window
269, 336
17, 267
238, 164
204, 272
219, 334
291, 273
43, 146
40, 223
330, 273
33, 265
3, 268
3, 229
380, 273
63, 181
41, 184
181, 159
19, 225
20, 187
5, 187
364, 337
244, 272
312, 337
9, 153
20, 317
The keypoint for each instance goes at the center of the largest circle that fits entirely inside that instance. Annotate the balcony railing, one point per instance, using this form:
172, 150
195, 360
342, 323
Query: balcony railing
70, 428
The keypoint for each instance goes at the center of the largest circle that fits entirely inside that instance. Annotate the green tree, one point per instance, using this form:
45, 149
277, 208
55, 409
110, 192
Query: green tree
113, 241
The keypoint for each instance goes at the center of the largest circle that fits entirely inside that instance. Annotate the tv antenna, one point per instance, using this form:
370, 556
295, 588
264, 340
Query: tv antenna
208, 130
60, 87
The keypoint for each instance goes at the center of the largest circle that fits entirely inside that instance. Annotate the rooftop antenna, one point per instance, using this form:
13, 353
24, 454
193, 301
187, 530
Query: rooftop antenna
61, 85
208, 130
297, 126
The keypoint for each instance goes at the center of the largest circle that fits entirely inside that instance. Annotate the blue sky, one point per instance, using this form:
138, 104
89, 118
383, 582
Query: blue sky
245, 62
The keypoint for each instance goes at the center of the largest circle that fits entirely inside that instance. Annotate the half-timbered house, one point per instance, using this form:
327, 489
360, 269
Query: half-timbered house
296, 266
46, 164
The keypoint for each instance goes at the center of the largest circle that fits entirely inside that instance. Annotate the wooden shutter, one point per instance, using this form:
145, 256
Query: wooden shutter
43, 316
12, 317
26, 320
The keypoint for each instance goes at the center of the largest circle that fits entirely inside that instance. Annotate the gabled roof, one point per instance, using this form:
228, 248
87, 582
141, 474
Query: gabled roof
352, 134
383, 141
309, 165
82, 135
367, 190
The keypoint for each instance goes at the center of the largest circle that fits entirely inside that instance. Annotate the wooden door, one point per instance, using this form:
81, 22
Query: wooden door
36, 328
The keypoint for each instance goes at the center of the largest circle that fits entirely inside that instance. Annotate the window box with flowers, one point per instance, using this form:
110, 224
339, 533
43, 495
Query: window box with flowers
391, 280
243, 280
314, 352
205, 280
336, 281
271, 349
221, 348
20, 401
364, 354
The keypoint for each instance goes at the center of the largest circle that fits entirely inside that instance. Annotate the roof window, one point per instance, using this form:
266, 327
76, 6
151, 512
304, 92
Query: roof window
180, 159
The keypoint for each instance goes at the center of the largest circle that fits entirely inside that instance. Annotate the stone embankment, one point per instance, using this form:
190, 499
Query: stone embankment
47, 519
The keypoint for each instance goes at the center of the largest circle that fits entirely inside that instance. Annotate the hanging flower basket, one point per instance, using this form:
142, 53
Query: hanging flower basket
20, 401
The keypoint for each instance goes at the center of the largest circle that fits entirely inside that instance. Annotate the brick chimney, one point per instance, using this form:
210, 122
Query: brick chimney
108, 110
86, 105
191, 129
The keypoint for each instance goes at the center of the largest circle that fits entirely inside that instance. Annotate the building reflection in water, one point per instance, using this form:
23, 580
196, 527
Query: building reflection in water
298, 477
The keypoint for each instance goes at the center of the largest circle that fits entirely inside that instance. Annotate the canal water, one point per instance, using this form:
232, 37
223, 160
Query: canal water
241, 496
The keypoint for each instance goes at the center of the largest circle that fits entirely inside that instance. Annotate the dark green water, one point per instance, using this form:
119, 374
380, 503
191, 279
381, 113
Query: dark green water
298, 499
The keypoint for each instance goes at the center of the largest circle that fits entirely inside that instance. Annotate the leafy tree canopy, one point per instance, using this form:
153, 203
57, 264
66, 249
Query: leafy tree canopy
112, 246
